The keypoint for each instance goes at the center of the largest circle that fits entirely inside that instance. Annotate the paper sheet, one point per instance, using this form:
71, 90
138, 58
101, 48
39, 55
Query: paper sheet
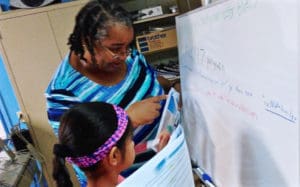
170, 115
170, 167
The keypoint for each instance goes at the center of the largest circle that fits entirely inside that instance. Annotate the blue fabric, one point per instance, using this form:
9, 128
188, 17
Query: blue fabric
69, 87
80, 176
8, 101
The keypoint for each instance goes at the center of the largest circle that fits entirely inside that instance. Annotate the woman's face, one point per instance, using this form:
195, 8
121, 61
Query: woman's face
111, 52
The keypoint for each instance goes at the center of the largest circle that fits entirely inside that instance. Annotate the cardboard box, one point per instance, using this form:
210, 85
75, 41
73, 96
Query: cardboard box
157, 41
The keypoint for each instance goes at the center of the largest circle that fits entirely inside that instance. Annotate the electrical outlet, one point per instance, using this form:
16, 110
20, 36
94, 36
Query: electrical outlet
21, 116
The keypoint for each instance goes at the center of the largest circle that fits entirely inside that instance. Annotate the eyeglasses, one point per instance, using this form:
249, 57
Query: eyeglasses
116, 54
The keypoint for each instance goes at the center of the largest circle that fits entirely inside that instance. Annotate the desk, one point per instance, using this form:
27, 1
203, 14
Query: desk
17, 173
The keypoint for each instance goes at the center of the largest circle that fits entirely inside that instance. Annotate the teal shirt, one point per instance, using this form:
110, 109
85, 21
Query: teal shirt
69, 87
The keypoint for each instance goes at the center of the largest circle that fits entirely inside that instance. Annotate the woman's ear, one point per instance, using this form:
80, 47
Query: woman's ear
114, 157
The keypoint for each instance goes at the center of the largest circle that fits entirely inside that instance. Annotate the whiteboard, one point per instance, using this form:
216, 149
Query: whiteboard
239, 65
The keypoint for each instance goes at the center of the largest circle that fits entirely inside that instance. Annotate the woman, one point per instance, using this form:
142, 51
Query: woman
102, 66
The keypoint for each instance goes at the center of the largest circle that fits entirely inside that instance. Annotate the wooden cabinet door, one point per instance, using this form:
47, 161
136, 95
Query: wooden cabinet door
31, 52
62, 22
31, 55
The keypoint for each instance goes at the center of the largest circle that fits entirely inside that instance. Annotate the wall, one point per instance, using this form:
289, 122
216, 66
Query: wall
9, 105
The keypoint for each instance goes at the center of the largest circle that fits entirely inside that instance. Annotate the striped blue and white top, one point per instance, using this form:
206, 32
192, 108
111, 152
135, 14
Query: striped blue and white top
69, 87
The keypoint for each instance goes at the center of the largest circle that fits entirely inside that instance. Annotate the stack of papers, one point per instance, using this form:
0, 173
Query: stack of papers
172, 165
169, 167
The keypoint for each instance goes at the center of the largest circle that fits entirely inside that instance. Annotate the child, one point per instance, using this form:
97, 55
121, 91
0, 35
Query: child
97, 137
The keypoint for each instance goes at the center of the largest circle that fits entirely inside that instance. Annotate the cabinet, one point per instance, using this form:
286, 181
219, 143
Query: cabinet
156, 39
32, 43
157, 34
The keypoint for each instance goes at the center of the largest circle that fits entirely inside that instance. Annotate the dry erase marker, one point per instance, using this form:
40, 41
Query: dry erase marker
206, 179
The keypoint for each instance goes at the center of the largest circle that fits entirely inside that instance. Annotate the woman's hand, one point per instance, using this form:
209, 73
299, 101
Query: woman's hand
145, 111
164, 138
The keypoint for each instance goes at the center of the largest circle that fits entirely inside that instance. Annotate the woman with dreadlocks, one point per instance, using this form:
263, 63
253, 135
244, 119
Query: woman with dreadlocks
102, 65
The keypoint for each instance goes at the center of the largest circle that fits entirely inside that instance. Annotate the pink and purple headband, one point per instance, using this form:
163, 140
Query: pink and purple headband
103, 150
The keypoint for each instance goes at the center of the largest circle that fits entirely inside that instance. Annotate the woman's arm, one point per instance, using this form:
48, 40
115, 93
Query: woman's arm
145, 111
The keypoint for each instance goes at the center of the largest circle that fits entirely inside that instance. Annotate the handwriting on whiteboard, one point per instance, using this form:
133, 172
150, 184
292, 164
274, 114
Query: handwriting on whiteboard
278, 109
233, 10
213, 71
232, 102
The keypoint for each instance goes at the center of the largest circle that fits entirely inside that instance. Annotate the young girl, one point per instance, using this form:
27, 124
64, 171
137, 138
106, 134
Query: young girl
97, 137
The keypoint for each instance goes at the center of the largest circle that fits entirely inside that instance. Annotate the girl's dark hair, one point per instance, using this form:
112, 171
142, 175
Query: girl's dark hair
92, 22
83, 129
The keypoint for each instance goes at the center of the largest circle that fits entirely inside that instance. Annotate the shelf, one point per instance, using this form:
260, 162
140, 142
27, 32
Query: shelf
156, 18
156, 41
159, 51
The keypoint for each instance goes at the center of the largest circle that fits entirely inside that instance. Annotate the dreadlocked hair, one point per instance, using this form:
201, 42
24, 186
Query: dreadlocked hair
91, 25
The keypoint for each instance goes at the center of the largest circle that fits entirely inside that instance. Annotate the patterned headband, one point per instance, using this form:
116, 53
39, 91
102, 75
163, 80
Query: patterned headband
102, 151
